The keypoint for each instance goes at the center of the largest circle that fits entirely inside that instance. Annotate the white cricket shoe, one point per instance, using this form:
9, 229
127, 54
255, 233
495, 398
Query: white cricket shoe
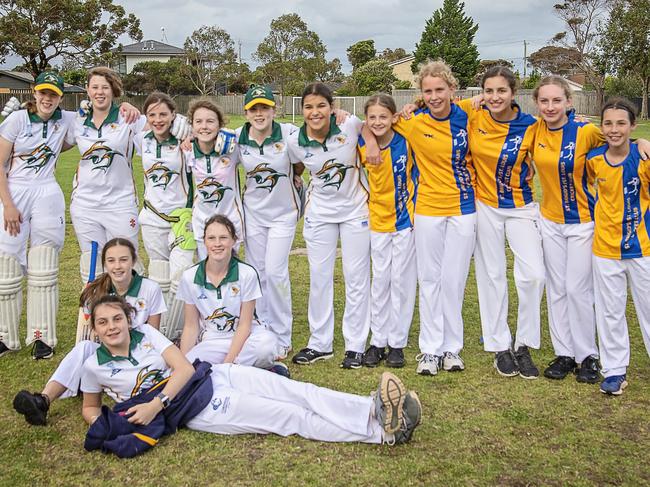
428, 364
451, 362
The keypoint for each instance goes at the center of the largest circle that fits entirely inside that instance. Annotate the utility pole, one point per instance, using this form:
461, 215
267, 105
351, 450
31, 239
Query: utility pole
525, 58
239, 44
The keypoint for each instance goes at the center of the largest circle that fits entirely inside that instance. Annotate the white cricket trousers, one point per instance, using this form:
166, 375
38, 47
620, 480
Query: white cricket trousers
611, 278
69, 371
267, 249
249, 400
521, 227
569, 288
321, 239
259, 349
394, 281
444, 247
157, 242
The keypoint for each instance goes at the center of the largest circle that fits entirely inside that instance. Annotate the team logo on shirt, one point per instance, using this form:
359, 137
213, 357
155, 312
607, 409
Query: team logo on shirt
212, 190
333, 173
632, 187
160, 175
223, 320
100, 155
512, 144
146, 379
38, 158
279, 147
266, 177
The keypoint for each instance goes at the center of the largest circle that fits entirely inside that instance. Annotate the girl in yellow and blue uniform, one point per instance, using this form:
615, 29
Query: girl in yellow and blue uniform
501, 137
621, 245
391, 205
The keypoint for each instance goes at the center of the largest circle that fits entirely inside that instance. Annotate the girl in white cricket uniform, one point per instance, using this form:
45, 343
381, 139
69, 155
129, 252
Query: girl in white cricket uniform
621, 240
103, 202
245, 399
119, 278
219, 294
272, 208
216, 179
168, 195
337, 205
33, 210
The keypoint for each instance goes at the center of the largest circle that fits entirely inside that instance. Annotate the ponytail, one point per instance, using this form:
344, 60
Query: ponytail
101, 286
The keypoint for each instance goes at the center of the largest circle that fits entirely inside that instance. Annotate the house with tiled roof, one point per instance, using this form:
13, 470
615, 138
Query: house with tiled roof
139, 52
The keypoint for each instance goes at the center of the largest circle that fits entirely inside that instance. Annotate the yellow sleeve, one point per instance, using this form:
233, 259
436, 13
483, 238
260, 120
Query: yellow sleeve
404, 127
466, 106
594, 135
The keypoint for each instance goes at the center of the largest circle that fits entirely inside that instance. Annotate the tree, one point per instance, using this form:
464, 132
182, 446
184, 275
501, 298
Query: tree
212, 59
170, 77
555, 60
391, 55
75, 77
626, 43
361, 52
532, 80
292, 55
486, 64
373, 76
581, 19
39, 31
627, 86
449, 35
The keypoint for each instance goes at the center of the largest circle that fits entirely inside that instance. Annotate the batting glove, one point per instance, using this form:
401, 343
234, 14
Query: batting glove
181, 128
84, 107
11, 106
226, 142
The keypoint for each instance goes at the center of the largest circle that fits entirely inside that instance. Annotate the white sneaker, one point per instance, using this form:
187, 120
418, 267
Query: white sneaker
428, 364
451, 362
283, 352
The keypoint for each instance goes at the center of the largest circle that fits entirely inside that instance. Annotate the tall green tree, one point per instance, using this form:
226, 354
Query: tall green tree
361, 52
292, 55
486, 64
391, 55
449, 35
555, 60
212, 58
626, 42
170, 77
38, 31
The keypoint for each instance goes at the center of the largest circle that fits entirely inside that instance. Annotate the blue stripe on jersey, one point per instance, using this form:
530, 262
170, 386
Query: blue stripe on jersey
506, 163
526, 190
565, 173
591, 201
630, 245
459, 147
399, 160
415, 175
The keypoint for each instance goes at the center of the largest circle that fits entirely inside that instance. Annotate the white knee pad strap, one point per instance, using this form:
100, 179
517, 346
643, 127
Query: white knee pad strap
42, 294
11, 276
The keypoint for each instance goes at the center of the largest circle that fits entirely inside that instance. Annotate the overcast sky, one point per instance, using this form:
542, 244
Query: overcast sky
503, 24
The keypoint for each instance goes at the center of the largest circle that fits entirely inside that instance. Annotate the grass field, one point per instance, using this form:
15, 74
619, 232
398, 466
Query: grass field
478, 428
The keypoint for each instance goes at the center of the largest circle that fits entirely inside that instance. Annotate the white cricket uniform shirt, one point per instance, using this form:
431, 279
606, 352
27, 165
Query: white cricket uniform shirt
167, 182
219, 306
104, 178
36, 144
216, 188
270, 196
338, 189
125, 377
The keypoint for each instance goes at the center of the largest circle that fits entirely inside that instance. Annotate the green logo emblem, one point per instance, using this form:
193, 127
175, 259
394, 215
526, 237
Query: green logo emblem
100, 155
223, 320
212, 190
38, 158
265, 176
333, 173
160, 175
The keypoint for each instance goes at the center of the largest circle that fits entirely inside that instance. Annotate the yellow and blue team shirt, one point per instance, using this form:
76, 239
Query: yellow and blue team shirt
124, 377
440, 150
622, 215
559, 156
36, 144
219, 306
392, 186
270, 196
501, 156
167, 180
104, 177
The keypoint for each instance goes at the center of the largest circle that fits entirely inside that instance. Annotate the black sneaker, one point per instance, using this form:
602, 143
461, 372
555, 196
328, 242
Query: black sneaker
41, 351
33, 406
352, 360
280, 369
527, 369
373, 356
505, 363
4, 350
395, 358
308, 356
589, 371
560, 367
